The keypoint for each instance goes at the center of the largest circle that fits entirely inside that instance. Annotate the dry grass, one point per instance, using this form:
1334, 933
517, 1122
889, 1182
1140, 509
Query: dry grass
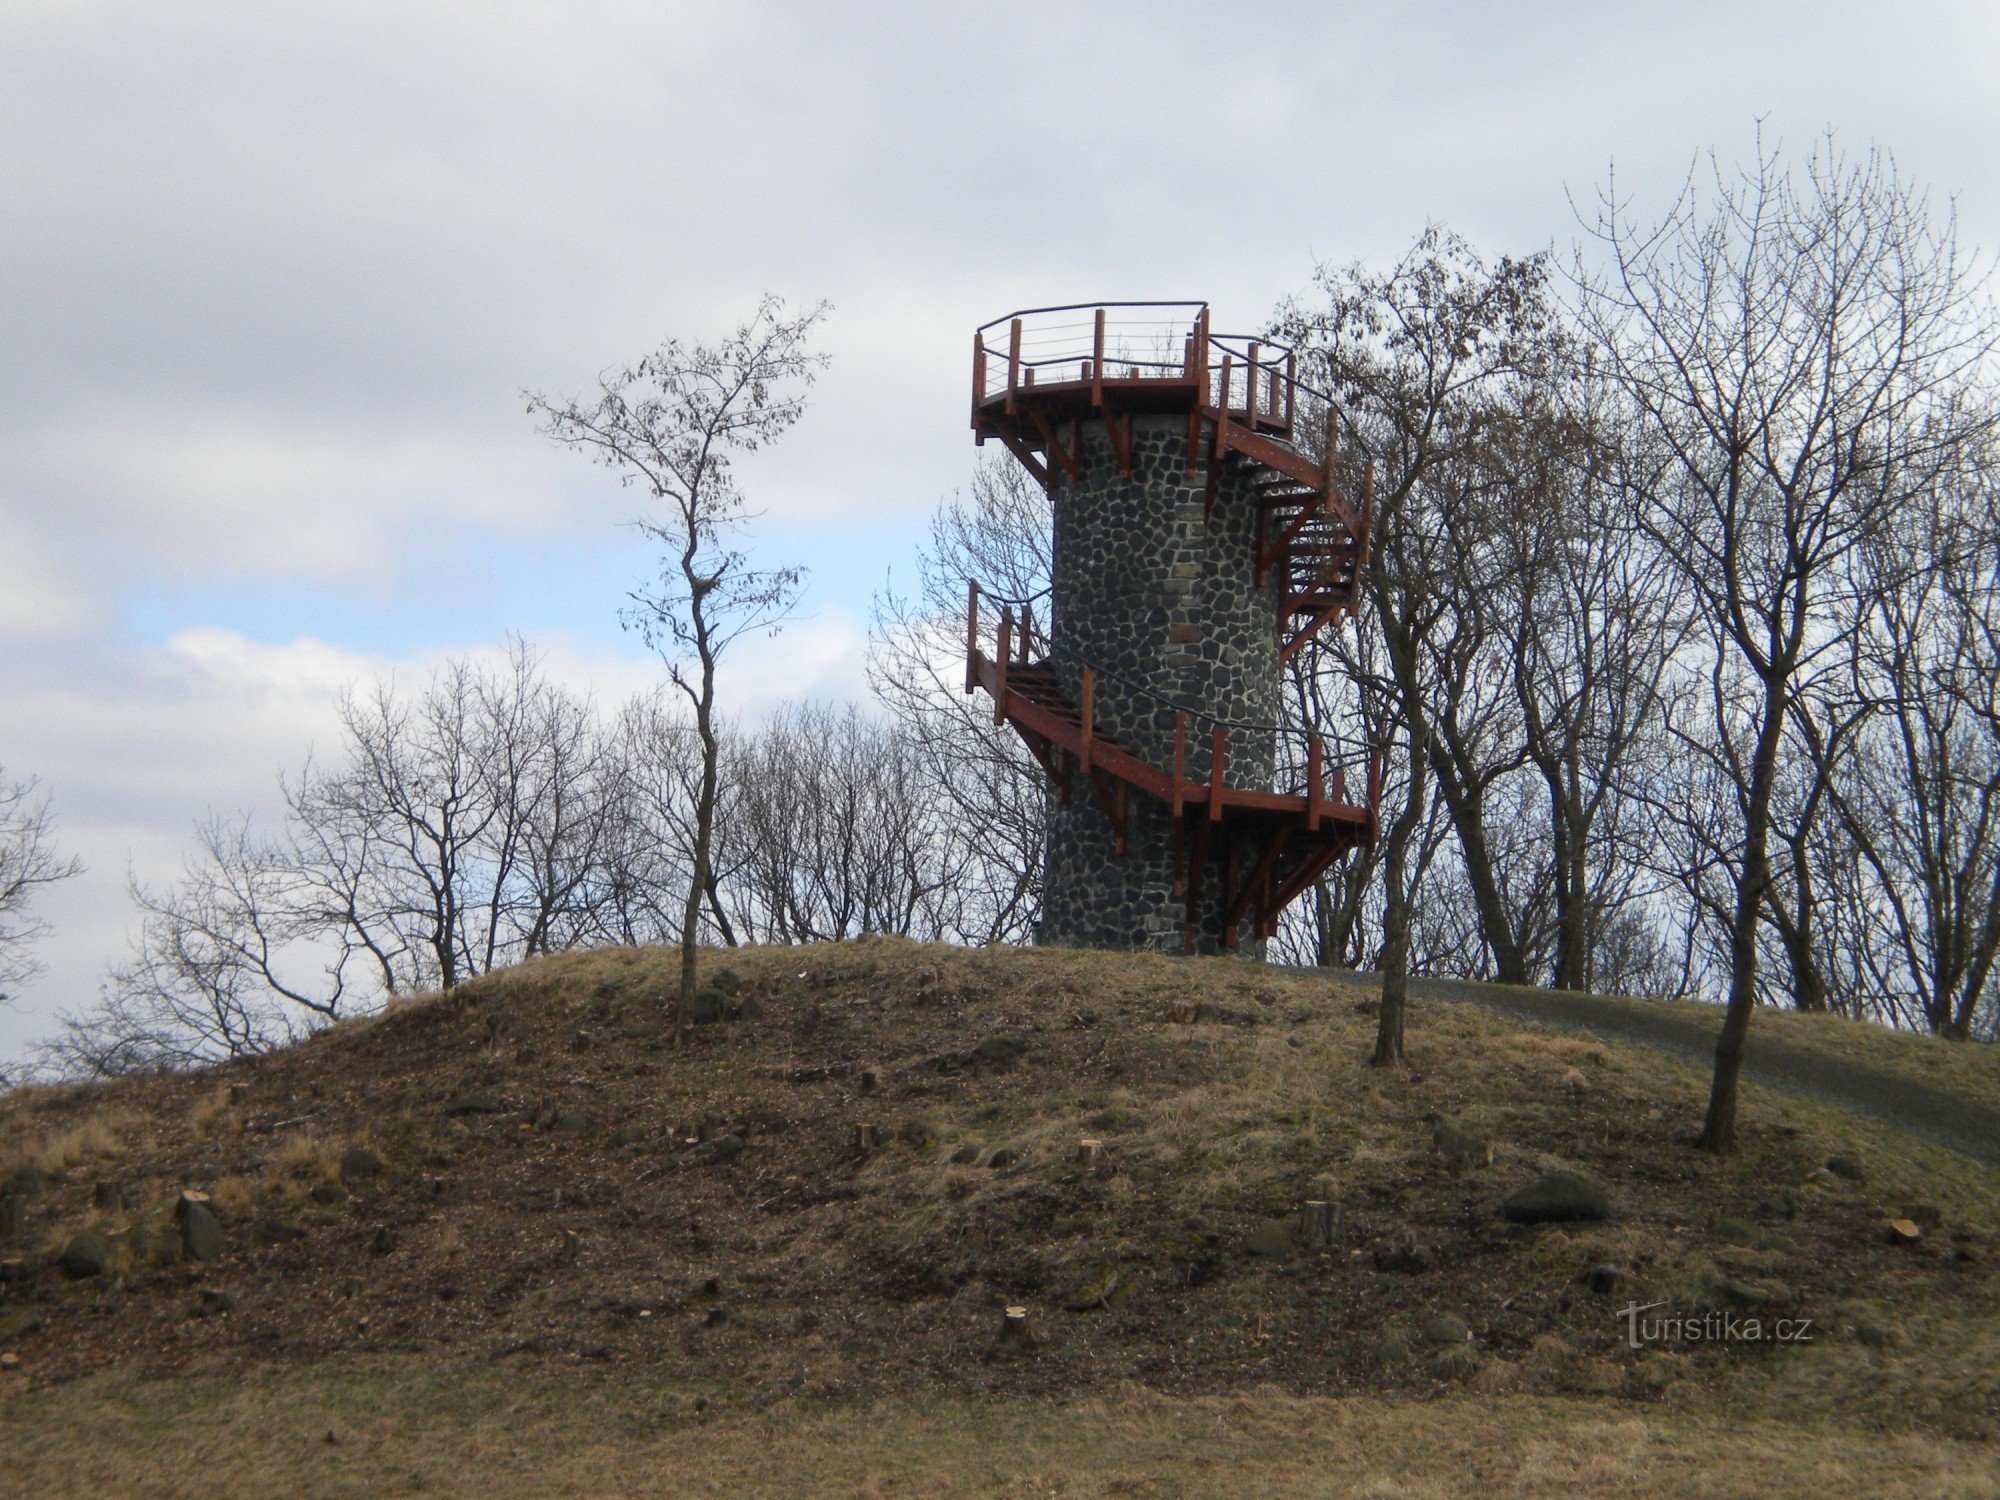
94, 1141
860, 1282
357, 1430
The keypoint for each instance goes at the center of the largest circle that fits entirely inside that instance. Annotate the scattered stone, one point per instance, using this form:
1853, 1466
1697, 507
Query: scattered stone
19, 1324
1103, 1291
1273, 1239
384, 1241
201, 1235
745, 1008
574, 1123
1745, 1292
1902, 1232
328, 1194
914, 1133
727, 981
86, 1255
1405, 1256
715, 1317
210, 1301
965, 1156
1001, 1158
1444, 1328
1368, 1007
628, 1135
109, 1196
28, 1179
1847, 1166
359, 1164
999, 1051
474, 1104
1558, 1198
1926, 1216
1460, 1151
708, 1005
277, 1232
1604, 1278
16, 1269
9, 1360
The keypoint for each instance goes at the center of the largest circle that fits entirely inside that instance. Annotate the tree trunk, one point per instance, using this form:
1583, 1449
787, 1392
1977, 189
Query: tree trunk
1396, 922
1718, 1131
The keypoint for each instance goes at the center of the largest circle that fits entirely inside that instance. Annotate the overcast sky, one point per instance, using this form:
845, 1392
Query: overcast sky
273, 276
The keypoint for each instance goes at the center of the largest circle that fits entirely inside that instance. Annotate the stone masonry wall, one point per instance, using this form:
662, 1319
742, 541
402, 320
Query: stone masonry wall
1160, 604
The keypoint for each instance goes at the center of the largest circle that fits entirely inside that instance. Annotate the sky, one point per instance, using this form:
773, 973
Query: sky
273, 280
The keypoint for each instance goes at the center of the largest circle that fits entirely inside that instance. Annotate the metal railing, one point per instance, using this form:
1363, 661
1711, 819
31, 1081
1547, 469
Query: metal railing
1088, 344
1300, 763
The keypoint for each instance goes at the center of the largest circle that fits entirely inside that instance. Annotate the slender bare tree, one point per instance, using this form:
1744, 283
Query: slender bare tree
1800, 345
671, 425
29, 863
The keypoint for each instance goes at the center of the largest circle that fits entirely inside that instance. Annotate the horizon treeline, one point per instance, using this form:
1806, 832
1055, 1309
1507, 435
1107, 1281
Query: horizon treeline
1682, 640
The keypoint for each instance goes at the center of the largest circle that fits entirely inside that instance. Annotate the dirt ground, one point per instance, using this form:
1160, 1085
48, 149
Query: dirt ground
526, 1179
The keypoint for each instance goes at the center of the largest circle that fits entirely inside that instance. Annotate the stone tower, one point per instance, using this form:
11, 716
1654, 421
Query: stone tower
1196, 548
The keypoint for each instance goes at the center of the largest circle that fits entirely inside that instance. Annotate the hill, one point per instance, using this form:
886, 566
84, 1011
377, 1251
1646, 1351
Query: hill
511, 1236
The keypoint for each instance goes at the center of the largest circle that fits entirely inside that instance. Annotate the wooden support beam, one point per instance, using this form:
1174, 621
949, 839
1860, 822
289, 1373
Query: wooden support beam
1118, 428
1215, 776
1228, 874
1197, 859
1086, 715
1291, 389
1250, 373
1111, 797
1030, 460
1267, 859
978, 376
1314, 804
1052, 443
1027, 629
1312, 628
1180, 762
1000, 664
1097, 362
1013, 363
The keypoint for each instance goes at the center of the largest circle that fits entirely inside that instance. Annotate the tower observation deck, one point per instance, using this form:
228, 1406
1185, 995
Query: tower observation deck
1198, 547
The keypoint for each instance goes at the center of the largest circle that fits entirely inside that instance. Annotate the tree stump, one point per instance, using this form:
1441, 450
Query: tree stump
238, 1092
1015, 1332
1093, 1158
1319, 1223
1181, 1011
867, 1140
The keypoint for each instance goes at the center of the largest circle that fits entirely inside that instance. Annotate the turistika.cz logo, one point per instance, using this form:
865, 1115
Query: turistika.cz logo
1712, 1327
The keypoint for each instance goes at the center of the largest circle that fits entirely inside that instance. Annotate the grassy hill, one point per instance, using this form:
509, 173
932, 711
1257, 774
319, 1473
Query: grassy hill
510, 1240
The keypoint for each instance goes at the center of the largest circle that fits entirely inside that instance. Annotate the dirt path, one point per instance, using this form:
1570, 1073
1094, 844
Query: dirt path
1931, 1114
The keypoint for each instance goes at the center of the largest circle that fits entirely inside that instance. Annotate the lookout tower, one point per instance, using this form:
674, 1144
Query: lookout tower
1197, 548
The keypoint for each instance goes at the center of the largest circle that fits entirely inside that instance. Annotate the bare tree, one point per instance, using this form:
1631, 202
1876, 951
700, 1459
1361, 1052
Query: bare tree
670, 425
29, 862
1915, 865
995, 796
1798, 346
1425, 362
